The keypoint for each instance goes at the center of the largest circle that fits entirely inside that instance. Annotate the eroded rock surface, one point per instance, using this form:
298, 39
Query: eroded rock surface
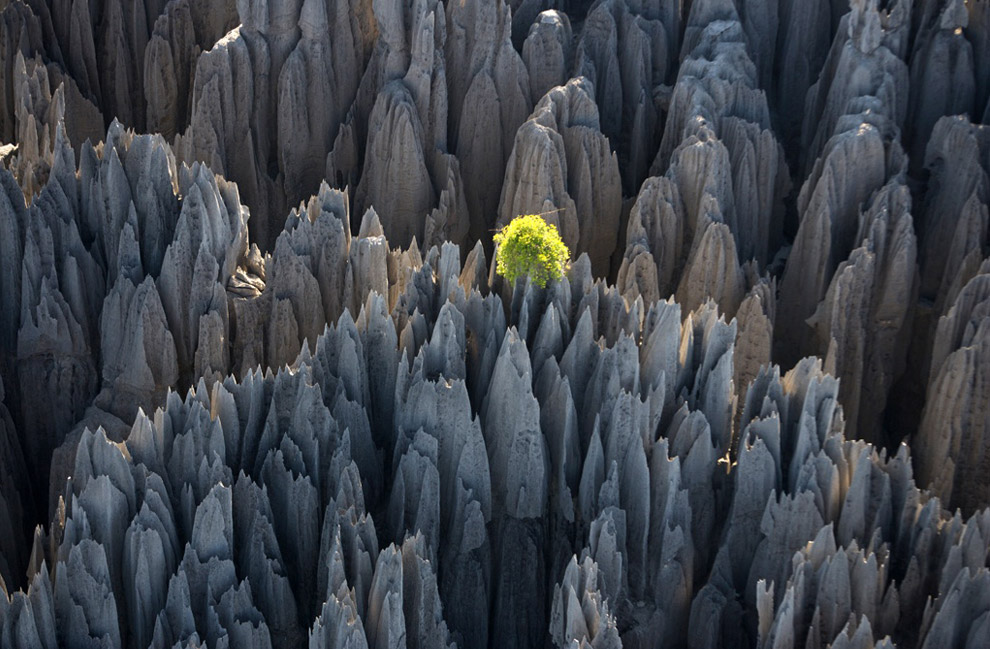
261, 384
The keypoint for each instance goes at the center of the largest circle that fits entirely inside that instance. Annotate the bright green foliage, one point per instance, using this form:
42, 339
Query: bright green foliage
530, 246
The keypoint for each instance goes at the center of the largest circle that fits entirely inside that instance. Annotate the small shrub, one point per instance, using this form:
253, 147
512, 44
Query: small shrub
528, 245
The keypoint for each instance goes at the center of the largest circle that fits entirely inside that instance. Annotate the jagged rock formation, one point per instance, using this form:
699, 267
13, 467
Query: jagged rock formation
955, 410
561, 166
484, 70
861, 325
261, 384
860, 153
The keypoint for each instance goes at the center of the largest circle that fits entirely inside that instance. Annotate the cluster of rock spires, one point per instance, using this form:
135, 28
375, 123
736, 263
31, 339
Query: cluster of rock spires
754, 413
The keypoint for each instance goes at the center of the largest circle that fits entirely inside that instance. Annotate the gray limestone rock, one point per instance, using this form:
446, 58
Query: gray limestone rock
516, 448
712, 271
856, 164
23, 36
548, 52
84, 598
580, 612
144, 363
316, 86
623, 78
754, 339
957, 156
227, 112
178, 36
942, 63
59, 314
611, 460
414, 505
860, 64
483, 70
395, 179
338, 625
862, 324
951, 440
654, 242
561, 166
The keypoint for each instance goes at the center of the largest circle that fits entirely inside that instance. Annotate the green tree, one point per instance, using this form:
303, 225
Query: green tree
528, 245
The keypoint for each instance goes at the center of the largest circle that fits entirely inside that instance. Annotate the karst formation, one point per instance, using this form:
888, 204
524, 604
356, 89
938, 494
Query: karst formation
262, 385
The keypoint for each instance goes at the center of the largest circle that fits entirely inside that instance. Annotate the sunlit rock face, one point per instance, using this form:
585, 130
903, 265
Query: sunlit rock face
262, 386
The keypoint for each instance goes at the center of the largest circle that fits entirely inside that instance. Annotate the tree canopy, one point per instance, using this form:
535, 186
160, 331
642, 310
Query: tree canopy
529, 246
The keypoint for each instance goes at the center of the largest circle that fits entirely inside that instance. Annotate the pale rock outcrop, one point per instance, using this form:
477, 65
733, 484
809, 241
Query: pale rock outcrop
338, 624
318, 272
548, 52
516, 449
580, 613
140, 367
225, 130
104, 50
673, 537
132, 180
717, 139
959, 190
182, 31
519, 463
209, 241
952, 620
483, 70
843, 590
861, 64
862, 325
562, 167
712, 271
654, 242
951, 439
415, 500
704, 377
274, 68
978, 33
316, 87
59, 315
37, 114
624, 78
28, 33
952, 243
26, 30
761, 21
942, 64
754, 338
859, 160
29, 617
702, 14
401, 111
395, 180
177, 325
719, 203
84, 599
22, 36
